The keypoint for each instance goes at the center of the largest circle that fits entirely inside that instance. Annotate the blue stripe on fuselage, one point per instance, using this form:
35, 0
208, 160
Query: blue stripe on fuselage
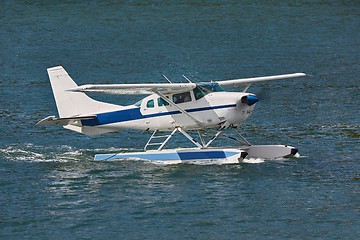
135, 114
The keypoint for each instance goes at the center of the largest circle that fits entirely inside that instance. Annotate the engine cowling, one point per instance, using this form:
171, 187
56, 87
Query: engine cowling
244, 107
250, 99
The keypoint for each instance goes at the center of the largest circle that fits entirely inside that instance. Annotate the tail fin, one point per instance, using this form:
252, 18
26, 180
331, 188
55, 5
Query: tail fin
71, 104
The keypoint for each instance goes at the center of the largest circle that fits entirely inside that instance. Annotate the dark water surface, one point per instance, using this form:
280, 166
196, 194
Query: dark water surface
51, 189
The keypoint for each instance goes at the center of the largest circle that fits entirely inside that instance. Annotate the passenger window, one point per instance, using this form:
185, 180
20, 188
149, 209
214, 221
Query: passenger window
162, 102
150, 104
182, 97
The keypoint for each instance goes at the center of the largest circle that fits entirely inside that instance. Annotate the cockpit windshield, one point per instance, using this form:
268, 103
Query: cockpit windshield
203, 89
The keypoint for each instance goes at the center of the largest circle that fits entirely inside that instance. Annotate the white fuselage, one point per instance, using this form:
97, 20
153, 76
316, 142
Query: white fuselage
214, 110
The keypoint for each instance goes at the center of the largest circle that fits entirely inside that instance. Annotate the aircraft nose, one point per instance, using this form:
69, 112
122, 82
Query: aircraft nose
249, 99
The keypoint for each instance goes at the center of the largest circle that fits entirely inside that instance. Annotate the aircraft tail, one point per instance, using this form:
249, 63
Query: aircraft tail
70, 104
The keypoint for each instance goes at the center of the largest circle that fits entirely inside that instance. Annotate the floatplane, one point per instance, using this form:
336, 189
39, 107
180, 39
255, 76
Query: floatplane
170, 108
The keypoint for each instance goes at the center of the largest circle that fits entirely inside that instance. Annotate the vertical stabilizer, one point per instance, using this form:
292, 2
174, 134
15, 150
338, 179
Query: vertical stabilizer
71, 104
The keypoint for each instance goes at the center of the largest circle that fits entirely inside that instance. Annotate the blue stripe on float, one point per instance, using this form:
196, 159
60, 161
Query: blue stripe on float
135, 114
202, 155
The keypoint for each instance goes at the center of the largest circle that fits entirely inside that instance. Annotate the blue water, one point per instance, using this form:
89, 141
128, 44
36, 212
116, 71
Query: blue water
51, 189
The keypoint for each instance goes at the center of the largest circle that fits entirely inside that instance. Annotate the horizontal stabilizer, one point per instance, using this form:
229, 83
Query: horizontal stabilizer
54, 121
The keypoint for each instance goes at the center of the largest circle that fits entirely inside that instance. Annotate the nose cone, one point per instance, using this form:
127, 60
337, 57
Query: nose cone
249, 99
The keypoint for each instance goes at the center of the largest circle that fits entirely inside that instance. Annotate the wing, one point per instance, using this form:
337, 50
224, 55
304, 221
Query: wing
147, 88
166, 88
248, 81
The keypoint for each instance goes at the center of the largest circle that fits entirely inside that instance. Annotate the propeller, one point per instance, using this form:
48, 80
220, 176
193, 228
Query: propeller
263, 93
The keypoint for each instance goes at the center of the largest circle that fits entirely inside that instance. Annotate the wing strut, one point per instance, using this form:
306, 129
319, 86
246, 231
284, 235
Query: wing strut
199, 123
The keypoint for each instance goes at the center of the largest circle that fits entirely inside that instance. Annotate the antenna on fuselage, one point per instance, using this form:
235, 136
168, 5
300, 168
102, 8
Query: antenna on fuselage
167, 79
187, 79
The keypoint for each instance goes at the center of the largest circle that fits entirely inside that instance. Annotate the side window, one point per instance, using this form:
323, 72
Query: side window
150, 104
182, 97
162, 102
198, 93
